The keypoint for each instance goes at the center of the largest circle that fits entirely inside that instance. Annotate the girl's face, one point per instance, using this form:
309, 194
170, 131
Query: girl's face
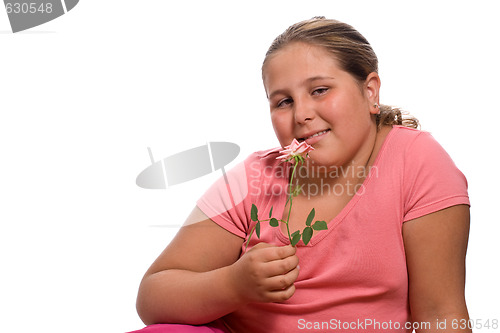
311, 98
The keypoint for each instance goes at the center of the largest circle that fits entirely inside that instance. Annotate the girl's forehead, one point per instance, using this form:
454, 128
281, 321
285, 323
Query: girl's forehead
299, 59
300, 49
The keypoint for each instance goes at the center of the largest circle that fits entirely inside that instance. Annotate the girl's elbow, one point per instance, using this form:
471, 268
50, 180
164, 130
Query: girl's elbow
145, 306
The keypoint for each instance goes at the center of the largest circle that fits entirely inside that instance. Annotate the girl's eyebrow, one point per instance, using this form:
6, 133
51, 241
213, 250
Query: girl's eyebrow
306, 81
319, 77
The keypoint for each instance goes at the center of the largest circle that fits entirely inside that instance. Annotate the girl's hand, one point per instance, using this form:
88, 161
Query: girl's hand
266, 273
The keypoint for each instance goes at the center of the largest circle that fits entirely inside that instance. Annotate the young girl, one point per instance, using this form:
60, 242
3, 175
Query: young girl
396, 207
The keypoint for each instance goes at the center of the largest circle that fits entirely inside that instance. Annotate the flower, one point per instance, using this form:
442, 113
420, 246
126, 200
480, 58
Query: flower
295, 151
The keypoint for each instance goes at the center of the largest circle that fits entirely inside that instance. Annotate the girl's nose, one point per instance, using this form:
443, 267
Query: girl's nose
303, 111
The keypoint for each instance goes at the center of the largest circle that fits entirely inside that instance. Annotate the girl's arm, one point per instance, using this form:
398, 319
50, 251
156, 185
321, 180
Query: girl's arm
199, 278
435, 246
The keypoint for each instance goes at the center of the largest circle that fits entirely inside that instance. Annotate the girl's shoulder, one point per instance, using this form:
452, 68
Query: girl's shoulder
404, 138
262, 167
406, 132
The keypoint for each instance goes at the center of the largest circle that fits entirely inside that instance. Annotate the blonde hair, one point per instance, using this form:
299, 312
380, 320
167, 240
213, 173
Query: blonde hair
351, 50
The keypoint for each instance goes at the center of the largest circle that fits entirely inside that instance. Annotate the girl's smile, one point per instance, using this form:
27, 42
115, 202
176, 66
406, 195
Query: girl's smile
314, 138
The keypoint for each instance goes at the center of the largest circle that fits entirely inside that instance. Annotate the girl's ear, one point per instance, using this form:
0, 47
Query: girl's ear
372, 88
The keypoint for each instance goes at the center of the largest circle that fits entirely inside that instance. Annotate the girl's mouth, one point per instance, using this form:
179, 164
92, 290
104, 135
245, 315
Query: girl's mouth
312, 139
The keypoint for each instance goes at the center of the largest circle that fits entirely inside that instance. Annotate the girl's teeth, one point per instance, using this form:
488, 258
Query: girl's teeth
319, 133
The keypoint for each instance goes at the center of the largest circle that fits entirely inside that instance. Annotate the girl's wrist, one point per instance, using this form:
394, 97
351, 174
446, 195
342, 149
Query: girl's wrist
233, 281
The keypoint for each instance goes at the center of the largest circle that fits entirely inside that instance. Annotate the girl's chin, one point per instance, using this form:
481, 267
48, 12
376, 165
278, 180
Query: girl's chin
319, 162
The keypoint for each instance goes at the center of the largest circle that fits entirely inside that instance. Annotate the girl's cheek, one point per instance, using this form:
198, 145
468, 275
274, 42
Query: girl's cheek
282, 128
282, 123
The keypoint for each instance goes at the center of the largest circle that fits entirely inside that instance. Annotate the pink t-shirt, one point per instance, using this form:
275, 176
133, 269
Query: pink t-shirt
353, 276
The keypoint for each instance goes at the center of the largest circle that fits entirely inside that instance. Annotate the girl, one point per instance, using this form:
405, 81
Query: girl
396, 206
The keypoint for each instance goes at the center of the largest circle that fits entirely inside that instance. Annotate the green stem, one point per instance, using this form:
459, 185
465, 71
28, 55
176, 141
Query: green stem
290, 197
250, 236
253, 230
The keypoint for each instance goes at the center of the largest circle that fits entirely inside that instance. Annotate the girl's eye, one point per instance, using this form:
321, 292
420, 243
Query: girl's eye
284, 102
319, 91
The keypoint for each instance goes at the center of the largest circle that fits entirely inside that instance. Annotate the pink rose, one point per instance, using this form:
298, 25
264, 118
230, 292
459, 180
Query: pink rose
295, 151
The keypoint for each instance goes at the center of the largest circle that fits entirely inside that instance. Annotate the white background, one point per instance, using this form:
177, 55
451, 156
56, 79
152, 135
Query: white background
83, 96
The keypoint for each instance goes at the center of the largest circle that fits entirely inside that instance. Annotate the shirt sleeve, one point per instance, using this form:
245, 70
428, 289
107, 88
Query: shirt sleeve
225, 202
431, 179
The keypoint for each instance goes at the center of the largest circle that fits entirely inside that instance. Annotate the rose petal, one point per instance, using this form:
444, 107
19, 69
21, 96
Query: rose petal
295, 149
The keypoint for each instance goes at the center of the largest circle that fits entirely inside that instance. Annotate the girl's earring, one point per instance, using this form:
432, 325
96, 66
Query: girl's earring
376, 105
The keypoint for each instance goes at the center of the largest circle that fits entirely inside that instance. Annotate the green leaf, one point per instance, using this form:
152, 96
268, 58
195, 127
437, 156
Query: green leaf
307, 235
253, 213
274, 222
295, 238
310, 217
320, 225
257, 229
271, 212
